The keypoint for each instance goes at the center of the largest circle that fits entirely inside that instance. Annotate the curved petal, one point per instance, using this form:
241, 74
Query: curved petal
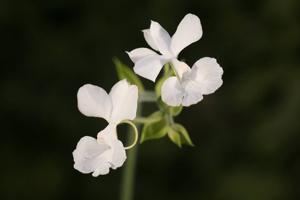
188, 31
208, 74
140, 53
124, 101
180, 67
172, 92
149, 39
102, 169
161, 38
149, 67
87, 155
93, 101
193, 93
117, 155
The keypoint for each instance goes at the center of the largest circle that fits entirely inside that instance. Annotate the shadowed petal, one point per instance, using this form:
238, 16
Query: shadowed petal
149, 39
87, 155
172, 92
192, 93
180, 67
149, 67
117, 154
161, 38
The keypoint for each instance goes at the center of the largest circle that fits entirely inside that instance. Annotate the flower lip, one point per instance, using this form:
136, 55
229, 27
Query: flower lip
204, 78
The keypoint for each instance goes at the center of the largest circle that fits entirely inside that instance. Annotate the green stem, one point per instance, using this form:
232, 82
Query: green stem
147, 96
128, 179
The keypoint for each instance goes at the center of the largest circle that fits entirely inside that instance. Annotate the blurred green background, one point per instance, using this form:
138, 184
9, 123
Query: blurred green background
246, 134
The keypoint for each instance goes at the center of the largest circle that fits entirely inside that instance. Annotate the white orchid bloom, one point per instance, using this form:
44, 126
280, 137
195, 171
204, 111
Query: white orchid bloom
148, 63
190, 85
97, 156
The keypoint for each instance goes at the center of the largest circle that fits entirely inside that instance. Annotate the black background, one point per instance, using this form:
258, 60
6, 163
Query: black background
246, 134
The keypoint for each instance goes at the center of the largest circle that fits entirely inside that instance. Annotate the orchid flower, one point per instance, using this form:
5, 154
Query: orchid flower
148, 63
189, 85
97, 156
204, 78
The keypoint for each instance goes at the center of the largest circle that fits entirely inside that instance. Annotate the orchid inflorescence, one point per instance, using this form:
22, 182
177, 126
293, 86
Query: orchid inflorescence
180, 86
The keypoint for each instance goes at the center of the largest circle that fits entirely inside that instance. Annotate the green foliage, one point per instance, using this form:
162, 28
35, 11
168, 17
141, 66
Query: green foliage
184, 135
159, 84
174, 136
155, 129
175, 111
179, 135
172, 110
124, 72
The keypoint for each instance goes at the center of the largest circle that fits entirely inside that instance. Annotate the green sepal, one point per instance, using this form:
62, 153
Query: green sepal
124, 72
174, 136
155, 130
167, 73
179, 135
175, 111
184, 135
158, 85
172, 110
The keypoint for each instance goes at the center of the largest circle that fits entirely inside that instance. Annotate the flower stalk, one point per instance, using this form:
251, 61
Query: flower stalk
128, 179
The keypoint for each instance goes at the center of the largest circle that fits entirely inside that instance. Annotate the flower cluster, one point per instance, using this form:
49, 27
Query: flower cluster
184, 86
190, 84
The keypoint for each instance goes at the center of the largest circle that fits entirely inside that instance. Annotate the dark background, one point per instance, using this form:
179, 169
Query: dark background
246, 134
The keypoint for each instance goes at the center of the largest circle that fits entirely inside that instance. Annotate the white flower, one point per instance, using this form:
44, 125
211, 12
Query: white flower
148, 63
204, 78
97, 156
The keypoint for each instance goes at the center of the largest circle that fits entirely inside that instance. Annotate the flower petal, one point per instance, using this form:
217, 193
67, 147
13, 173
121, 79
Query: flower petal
124, 101
93, 101
172, 92
149, 39
180, 67
87, 155
161, 38
208, 74
140, 53
149, 67
117, 154
193, 93
102, 169
188, 31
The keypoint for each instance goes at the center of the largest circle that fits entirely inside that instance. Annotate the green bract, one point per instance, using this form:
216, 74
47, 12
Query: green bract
156, 129
124, 72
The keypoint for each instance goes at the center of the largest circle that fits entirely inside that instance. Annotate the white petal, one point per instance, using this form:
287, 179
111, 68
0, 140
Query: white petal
208, 74
193, 93
140, 53
117, 154
102, 169
161, 38
149, 67
188, 31
172, 92
87, 155
149, 39
124, 101
93, 101
180, 67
